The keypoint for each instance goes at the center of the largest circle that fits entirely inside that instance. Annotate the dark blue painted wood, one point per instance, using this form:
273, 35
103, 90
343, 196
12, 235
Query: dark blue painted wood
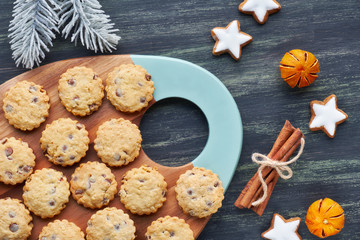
175, 131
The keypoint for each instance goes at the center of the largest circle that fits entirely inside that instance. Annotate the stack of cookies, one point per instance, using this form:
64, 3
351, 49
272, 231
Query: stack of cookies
93, 185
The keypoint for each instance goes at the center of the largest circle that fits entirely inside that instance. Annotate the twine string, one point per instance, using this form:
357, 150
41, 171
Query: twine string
281, 168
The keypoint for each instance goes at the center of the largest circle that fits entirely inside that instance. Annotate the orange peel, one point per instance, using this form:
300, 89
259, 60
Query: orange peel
299, 68
325, 218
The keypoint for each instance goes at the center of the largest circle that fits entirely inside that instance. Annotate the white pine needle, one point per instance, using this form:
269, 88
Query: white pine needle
87, 23
32, 30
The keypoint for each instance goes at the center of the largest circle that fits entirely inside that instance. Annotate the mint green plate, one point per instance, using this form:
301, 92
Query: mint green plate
178, 78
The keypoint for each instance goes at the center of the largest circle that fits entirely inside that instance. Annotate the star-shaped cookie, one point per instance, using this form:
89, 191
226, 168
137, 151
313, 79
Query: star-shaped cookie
230, 39
326, 115
260, 9
282, 229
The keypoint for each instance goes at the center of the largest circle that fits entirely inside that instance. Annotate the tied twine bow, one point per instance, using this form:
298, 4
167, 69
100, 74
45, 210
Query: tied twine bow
280, 167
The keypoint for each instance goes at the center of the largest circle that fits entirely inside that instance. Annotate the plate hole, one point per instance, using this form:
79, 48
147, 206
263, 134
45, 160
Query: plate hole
174, 132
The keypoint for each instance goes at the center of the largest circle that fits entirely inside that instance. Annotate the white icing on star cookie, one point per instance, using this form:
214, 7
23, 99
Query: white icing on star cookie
326, 116
230, 39
260, 9
282, 229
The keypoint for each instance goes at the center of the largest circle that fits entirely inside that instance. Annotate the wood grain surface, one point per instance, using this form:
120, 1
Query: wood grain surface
48, 77
175, 131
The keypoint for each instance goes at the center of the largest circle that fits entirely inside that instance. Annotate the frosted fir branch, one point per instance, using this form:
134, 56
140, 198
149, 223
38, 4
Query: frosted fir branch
32, 30
87, 22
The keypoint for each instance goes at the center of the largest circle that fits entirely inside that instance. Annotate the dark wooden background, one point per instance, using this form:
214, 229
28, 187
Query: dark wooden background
175, 131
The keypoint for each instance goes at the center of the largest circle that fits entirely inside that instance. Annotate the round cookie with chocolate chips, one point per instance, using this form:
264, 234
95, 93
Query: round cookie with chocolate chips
46, 192
143, 190
26, 105
93, 185
118, 142
199, 192
81, 90
17, 160
173, 228
112, 223
64, 141
15, 220
61, 230
129, 88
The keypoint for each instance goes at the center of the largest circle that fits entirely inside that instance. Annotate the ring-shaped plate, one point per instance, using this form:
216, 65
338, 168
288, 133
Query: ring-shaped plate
179, 78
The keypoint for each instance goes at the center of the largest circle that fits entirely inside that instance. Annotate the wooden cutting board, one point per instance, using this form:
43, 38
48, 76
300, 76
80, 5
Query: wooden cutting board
171, 79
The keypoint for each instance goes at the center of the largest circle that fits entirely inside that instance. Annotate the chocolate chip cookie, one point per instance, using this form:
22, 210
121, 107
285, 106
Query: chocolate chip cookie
26, 105
129, 88
15, 220
81, 90
61, 230
17, 160
112, 223
118, 142
93, 185
143, 190
46, 192
173, 228
199, 192
64, 141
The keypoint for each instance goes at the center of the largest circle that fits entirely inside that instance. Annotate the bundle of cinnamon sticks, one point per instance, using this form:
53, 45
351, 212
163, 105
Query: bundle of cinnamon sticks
285, 145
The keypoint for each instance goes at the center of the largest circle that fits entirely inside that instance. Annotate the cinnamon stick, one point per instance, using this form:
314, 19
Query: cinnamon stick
244, 200
284, 146
273, 178
272, 173
284, 134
